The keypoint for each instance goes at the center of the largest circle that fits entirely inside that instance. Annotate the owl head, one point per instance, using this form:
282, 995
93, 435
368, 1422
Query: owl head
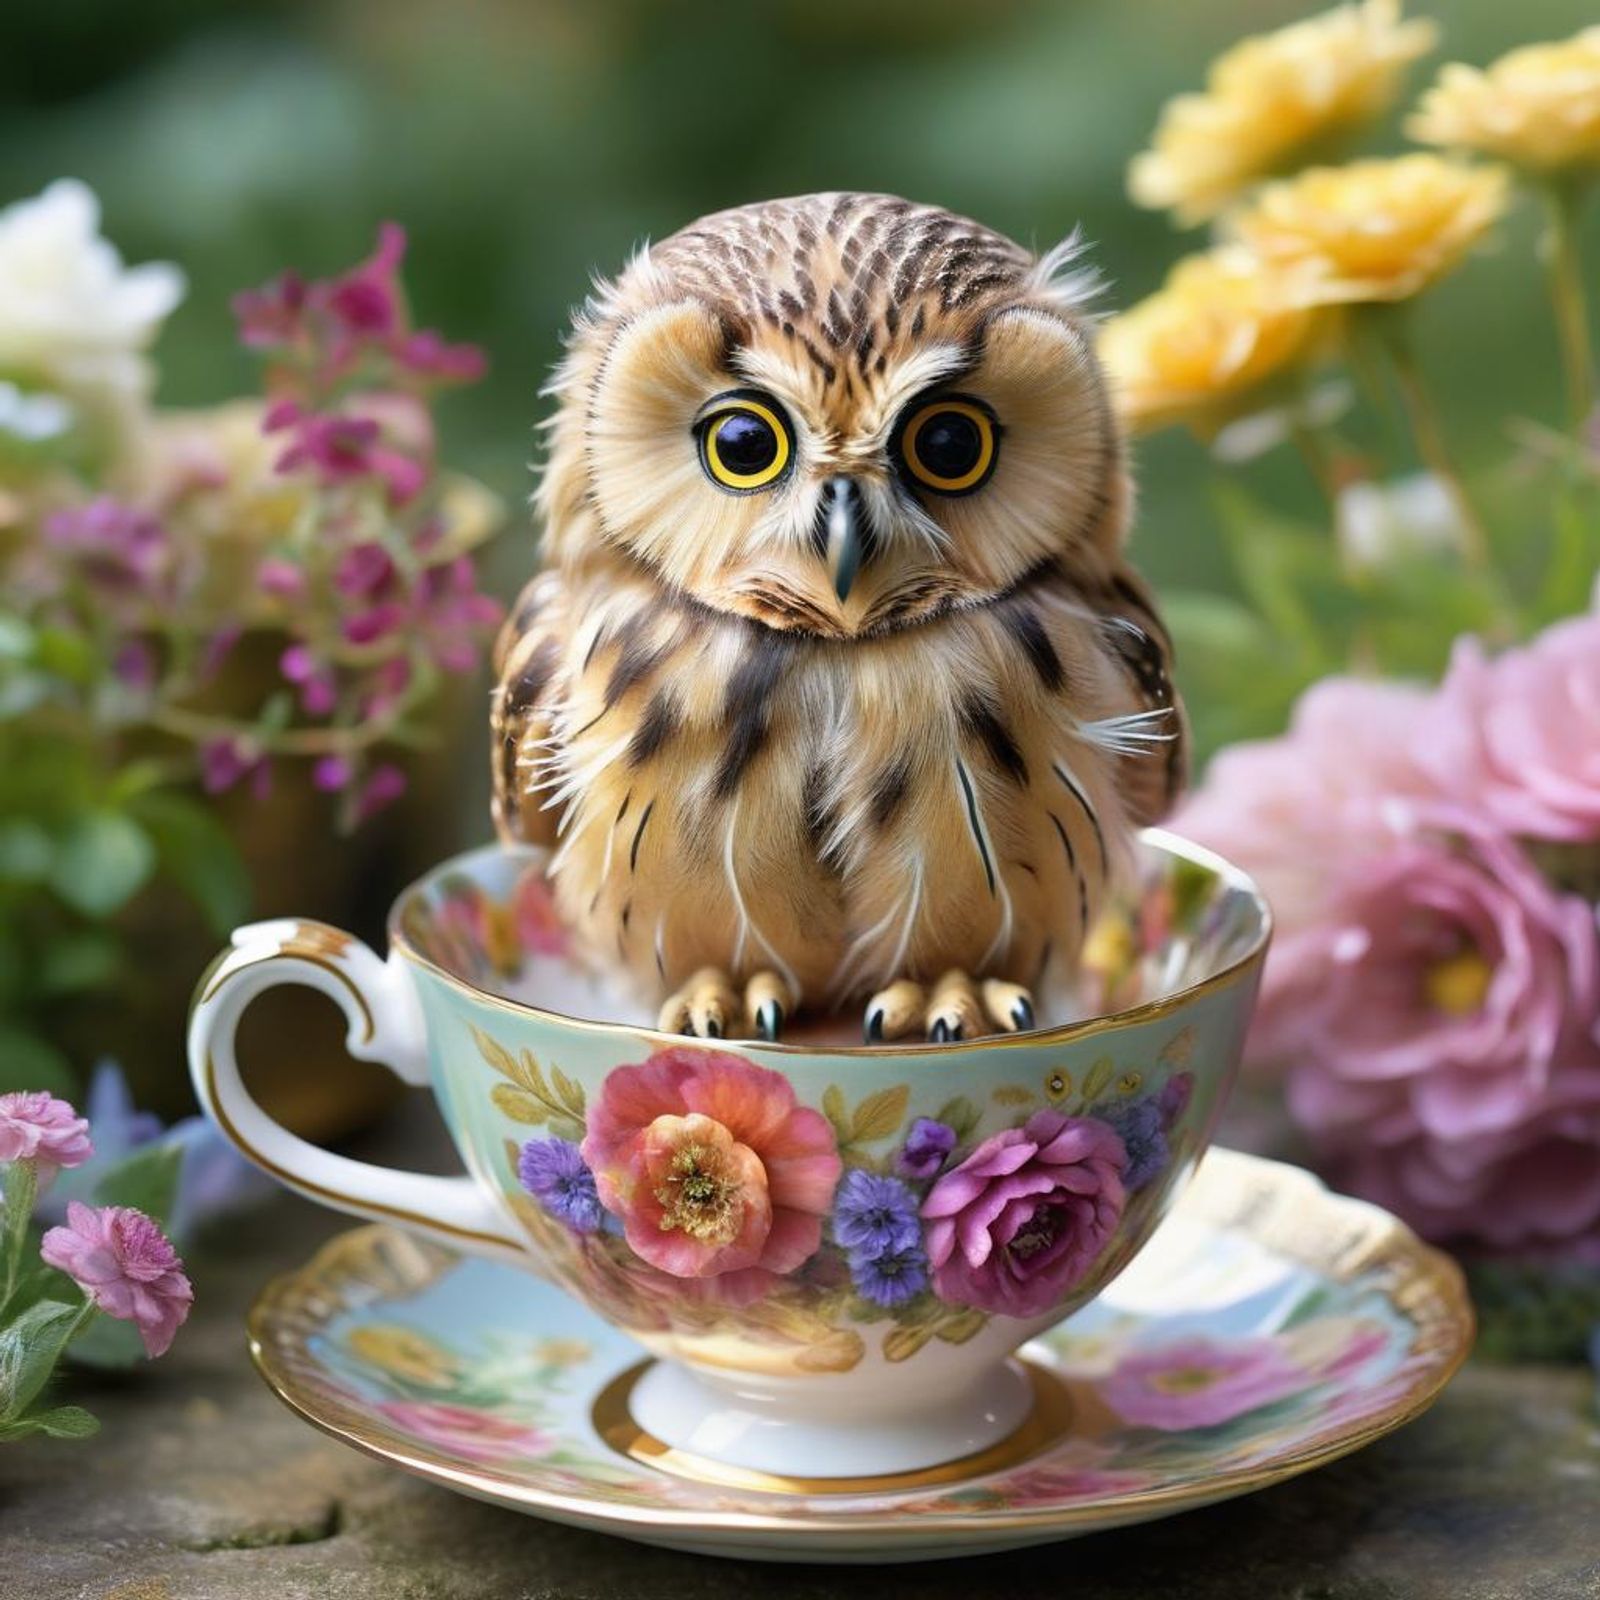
839, 414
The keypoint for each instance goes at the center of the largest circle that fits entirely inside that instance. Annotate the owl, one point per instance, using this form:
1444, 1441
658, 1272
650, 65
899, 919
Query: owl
835, 686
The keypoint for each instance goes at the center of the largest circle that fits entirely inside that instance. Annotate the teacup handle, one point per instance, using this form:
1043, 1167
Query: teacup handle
385, 1025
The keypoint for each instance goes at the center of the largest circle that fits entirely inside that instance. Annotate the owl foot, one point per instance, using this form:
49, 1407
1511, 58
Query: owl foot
956, 1007
709, 1007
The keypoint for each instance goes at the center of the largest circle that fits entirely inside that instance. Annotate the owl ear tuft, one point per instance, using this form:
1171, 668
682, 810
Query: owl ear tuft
1062, 278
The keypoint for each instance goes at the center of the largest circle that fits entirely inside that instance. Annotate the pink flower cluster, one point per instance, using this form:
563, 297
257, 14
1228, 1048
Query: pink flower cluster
1434, 991
38, 1127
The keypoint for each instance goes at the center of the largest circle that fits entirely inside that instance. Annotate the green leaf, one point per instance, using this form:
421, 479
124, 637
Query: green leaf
29, 1062
64, 654
108, 1345
102, 860
26, 851
833, 1108
71, 963
197, 853
65, 1422
880, 1114
960, 1115
147, 1180
29, 1350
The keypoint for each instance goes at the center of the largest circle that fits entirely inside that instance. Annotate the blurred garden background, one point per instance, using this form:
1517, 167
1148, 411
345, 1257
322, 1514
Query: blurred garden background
525, 143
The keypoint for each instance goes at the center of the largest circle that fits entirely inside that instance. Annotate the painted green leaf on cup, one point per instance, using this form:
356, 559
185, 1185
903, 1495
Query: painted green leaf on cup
528, 1097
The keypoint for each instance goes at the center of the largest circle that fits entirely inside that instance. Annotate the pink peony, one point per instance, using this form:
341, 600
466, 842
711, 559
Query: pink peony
1199, 1382
468, 1434
127, 1267
1016, 1226
713, 1168
1295, 812
1519, 736
1437, 1027
37, 1127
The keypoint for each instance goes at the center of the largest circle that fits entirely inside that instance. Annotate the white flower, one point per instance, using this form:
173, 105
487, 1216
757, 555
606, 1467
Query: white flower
1406, 519
71, 315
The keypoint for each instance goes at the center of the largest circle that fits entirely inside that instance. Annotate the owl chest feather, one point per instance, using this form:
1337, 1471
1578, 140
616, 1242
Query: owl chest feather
844, 811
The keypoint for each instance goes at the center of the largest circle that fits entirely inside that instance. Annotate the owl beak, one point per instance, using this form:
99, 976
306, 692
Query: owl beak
842, 525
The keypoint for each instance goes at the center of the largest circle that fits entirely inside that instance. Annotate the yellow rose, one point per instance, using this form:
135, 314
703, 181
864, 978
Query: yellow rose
1538, 107
1372, 230
1199, 349
1270, 100
405, 1353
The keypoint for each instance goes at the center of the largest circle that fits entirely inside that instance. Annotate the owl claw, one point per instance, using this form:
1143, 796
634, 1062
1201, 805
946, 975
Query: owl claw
709, 1007
955, 1009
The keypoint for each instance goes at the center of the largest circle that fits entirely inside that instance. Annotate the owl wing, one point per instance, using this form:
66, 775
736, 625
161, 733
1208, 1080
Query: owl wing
1152, 773
527, 658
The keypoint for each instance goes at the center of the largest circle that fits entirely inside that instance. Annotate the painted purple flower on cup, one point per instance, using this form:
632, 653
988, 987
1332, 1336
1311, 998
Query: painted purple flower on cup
1176, 1093
873, 1215
1199, 1382
553, 1171
890, 1279
1016, 1226
928, 1146
39, 1127
1139, 1125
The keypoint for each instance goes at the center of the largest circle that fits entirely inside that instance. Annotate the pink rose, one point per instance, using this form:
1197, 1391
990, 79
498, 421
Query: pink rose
1016, 1226
468, 1434
1519, 735
1438, 1024
713, 1168
126, 1265
37, 1127
1198, 1382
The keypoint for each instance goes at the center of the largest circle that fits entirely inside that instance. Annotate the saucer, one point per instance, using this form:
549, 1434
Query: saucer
1268, 1327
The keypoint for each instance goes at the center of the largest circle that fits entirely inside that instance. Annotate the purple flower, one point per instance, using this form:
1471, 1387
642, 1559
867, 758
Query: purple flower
426, 354
126, 1265
384, 785
1174, 1098
926, 1149
554, 1173
115, 545
367, 300
875, 1216
37, 1126
1144, 1136
281, 578
363, 570
890, 1279
271, 315
1020, 1223
1199, 1382
226, 762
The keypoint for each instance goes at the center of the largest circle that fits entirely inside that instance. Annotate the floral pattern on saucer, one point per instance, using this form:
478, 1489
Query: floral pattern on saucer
1266, 1327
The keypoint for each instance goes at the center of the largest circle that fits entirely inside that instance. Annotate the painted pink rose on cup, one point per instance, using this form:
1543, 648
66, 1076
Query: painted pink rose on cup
39, 1127
1199, 1382
714, 1169
1016, 1226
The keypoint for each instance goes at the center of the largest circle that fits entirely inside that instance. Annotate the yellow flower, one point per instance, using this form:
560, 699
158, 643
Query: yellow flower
1372, 230
405, 1353
1538, 107
1270, 100
1199, 350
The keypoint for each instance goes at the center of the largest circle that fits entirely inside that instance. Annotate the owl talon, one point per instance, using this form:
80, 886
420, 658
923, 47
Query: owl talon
709, 1007
956, 1009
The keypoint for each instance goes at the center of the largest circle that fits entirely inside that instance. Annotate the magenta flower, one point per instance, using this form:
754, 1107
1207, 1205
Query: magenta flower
1199, 1382
714, 1169
117, 546
1518, 737
319, 690
126, 1265
1016, 1226
426, 354
37, 1127
385, 784
271, 316
227, 762
282, 579
367, 300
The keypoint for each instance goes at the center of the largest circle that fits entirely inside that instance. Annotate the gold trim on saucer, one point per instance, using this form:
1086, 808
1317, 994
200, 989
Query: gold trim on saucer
1048, 1419
1286, 1209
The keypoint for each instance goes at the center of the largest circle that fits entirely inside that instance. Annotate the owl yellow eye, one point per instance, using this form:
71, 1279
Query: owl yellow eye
745, 443
949, 445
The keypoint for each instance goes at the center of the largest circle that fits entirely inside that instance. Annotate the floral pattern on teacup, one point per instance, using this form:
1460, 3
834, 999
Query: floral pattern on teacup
693, 1192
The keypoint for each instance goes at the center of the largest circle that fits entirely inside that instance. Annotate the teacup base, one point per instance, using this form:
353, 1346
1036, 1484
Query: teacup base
674, 1419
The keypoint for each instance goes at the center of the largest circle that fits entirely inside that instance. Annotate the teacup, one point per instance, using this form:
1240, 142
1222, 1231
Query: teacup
834, 1251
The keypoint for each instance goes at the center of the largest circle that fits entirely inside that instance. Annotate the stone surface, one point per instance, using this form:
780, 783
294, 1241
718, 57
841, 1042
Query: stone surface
203, 1487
